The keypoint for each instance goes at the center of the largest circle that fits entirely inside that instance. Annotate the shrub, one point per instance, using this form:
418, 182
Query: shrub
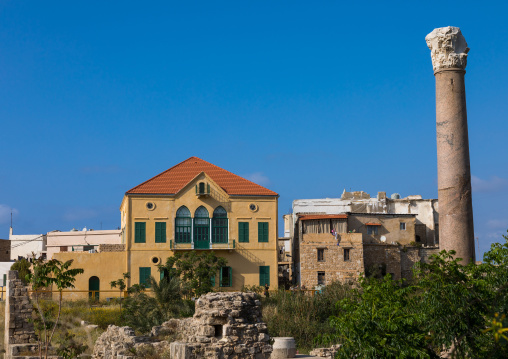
302, 316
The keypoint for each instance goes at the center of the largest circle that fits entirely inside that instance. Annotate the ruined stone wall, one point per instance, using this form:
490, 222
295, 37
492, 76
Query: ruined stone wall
408, 258
382, 259
333, 265
18, 312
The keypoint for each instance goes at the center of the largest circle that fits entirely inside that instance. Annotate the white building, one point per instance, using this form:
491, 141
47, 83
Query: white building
426, 210
24, 245
79, 241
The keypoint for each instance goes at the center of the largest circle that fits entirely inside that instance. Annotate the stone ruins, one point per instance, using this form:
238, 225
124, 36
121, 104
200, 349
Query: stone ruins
19, 330
225, 325
449, 58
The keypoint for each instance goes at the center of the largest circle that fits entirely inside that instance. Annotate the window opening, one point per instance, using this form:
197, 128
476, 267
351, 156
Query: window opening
183, 225
372, 230
220, 225
402, 226
218, 331
320, 255
321, 278
346, 254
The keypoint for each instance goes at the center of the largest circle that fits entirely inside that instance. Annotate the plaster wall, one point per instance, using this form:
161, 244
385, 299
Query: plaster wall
78, 239
23, 245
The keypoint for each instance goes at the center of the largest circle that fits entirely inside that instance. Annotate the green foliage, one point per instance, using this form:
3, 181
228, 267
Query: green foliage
302, 316
45, 275
446, 307
142, 312
121, 285
71, 349
23, 268
195, 270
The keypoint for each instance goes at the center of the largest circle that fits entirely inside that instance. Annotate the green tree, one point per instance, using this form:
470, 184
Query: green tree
45, 275
445, 307
121, 285
23, 268
194, 269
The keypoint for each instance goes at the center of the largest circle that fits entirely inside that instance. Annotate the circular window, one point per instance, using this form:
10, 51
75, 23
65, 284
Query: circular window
253, 207
156, 260
150, 206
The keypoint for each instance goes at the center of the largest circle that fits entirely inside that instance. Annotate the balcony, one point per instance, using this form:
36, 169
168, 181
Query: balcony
230, 245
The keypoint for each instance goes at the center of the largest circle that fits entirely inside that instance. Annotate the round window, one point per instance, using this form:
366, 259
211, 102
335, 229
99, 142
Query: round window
253, 207
150, 206
155, 260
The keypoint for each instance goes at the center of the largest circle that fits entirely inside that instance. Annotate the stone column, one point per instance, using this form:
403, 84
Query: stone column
449, 57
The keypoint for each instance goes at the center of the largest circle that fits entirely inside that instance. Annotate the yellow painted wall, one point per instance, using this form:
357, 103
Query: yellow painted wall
244, 260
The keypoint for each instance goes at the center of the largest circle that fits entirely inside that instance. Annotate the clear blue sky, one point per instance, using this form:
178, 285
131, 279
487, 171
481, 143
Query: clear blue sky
304, 97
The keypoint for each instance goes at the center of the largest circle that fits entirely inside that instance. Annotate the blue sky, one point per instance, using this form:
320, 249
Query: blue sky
306, 98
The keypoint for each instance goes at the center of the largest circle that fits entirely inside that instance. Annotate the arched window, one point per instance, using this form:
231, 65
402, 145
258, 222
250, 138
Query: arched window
183, 225
220, 226
201, 228
94, 285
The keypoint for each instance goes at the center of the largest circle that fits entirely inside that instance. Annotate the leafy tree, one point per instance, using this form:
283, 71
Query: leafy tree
23, 268
446, 307
194, 269
45, 275
120, 283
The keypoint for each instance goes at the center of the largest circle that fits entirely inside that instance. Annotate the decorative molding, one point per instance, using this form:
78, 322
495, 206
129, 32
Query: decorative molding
448, 48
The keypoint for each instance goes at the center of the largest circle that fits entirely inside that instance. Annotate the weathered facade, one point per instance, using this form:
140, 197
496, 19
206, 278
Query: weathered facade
339, 239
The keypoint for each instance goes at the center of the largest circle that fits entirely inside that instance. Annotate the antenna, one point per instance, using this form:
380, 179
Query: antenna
11, 217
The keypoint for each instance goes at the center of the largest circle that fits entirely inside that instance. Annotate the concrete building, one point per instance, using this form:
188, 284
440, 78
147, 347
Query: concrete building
193, 206
337, 239
25, 245
80, 241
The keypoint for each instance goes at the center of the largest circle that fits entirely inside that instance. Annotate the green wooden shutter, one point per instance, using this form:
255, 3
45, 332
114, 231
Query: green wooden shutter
243, 232
144, 275
220, 277
160, 232
262, 231
230, 272
140, 232
264, 275
212, 280
5, 280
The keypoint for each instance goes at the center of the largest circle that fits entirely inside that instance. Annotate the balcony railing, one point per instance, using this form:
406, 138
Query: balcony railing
202, 246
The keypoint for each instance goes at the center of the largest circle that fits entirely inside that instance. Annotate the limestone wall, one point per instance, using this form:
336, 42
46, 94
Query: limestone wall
18, 312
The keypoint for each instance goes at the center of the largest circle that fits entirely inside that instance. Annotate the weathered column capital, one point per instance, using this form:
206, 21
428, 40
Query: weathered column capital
448, 48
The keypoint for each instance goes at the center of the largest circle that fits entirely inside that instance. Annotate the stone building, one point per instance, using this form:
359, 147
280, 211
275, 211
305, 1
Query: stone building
193, 206
339, 239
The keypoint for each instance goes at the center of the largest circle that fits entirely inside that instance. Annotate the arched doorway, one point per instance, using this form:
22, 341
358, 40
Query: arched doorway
201, 228
94, 285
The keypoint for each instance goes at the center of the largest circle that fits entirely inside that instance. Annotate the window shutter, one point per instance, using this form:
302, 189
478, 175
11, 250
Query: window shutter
243, 231
265, 231
262, 231
143, 232
212, 280
220, 277
157, 232
162, 275
196, 189
230, 271
163, 232
208, 188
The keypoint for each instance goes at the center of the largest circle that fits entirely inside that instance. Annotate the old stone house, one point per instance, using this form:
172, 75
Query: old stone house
340, 239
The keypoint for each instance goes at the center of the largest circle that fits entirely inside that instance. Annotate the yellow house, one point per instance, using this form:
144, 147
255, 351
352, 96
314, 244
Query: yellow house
193, 206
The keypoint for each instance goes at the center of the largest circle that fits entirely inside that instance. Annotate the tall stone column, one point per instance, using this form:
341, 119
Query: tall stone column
449, 57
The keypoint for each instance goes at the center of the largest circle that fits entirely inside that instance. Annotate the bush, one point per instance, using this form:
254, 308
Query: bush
23, 268
304, 317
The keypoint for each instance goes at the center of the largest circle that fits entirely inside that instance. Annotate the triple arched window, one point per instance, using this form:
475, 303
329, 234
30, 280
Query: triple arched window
201, 230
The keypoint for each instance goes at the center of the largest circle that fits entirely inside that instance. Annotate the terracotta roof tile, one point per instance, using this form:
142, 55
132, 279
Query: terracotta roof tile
174, 179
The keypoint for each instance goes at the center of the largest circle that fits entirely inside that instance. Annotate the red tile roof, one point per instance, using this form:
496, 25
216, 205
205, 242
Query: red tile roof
322, 216
174, 179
